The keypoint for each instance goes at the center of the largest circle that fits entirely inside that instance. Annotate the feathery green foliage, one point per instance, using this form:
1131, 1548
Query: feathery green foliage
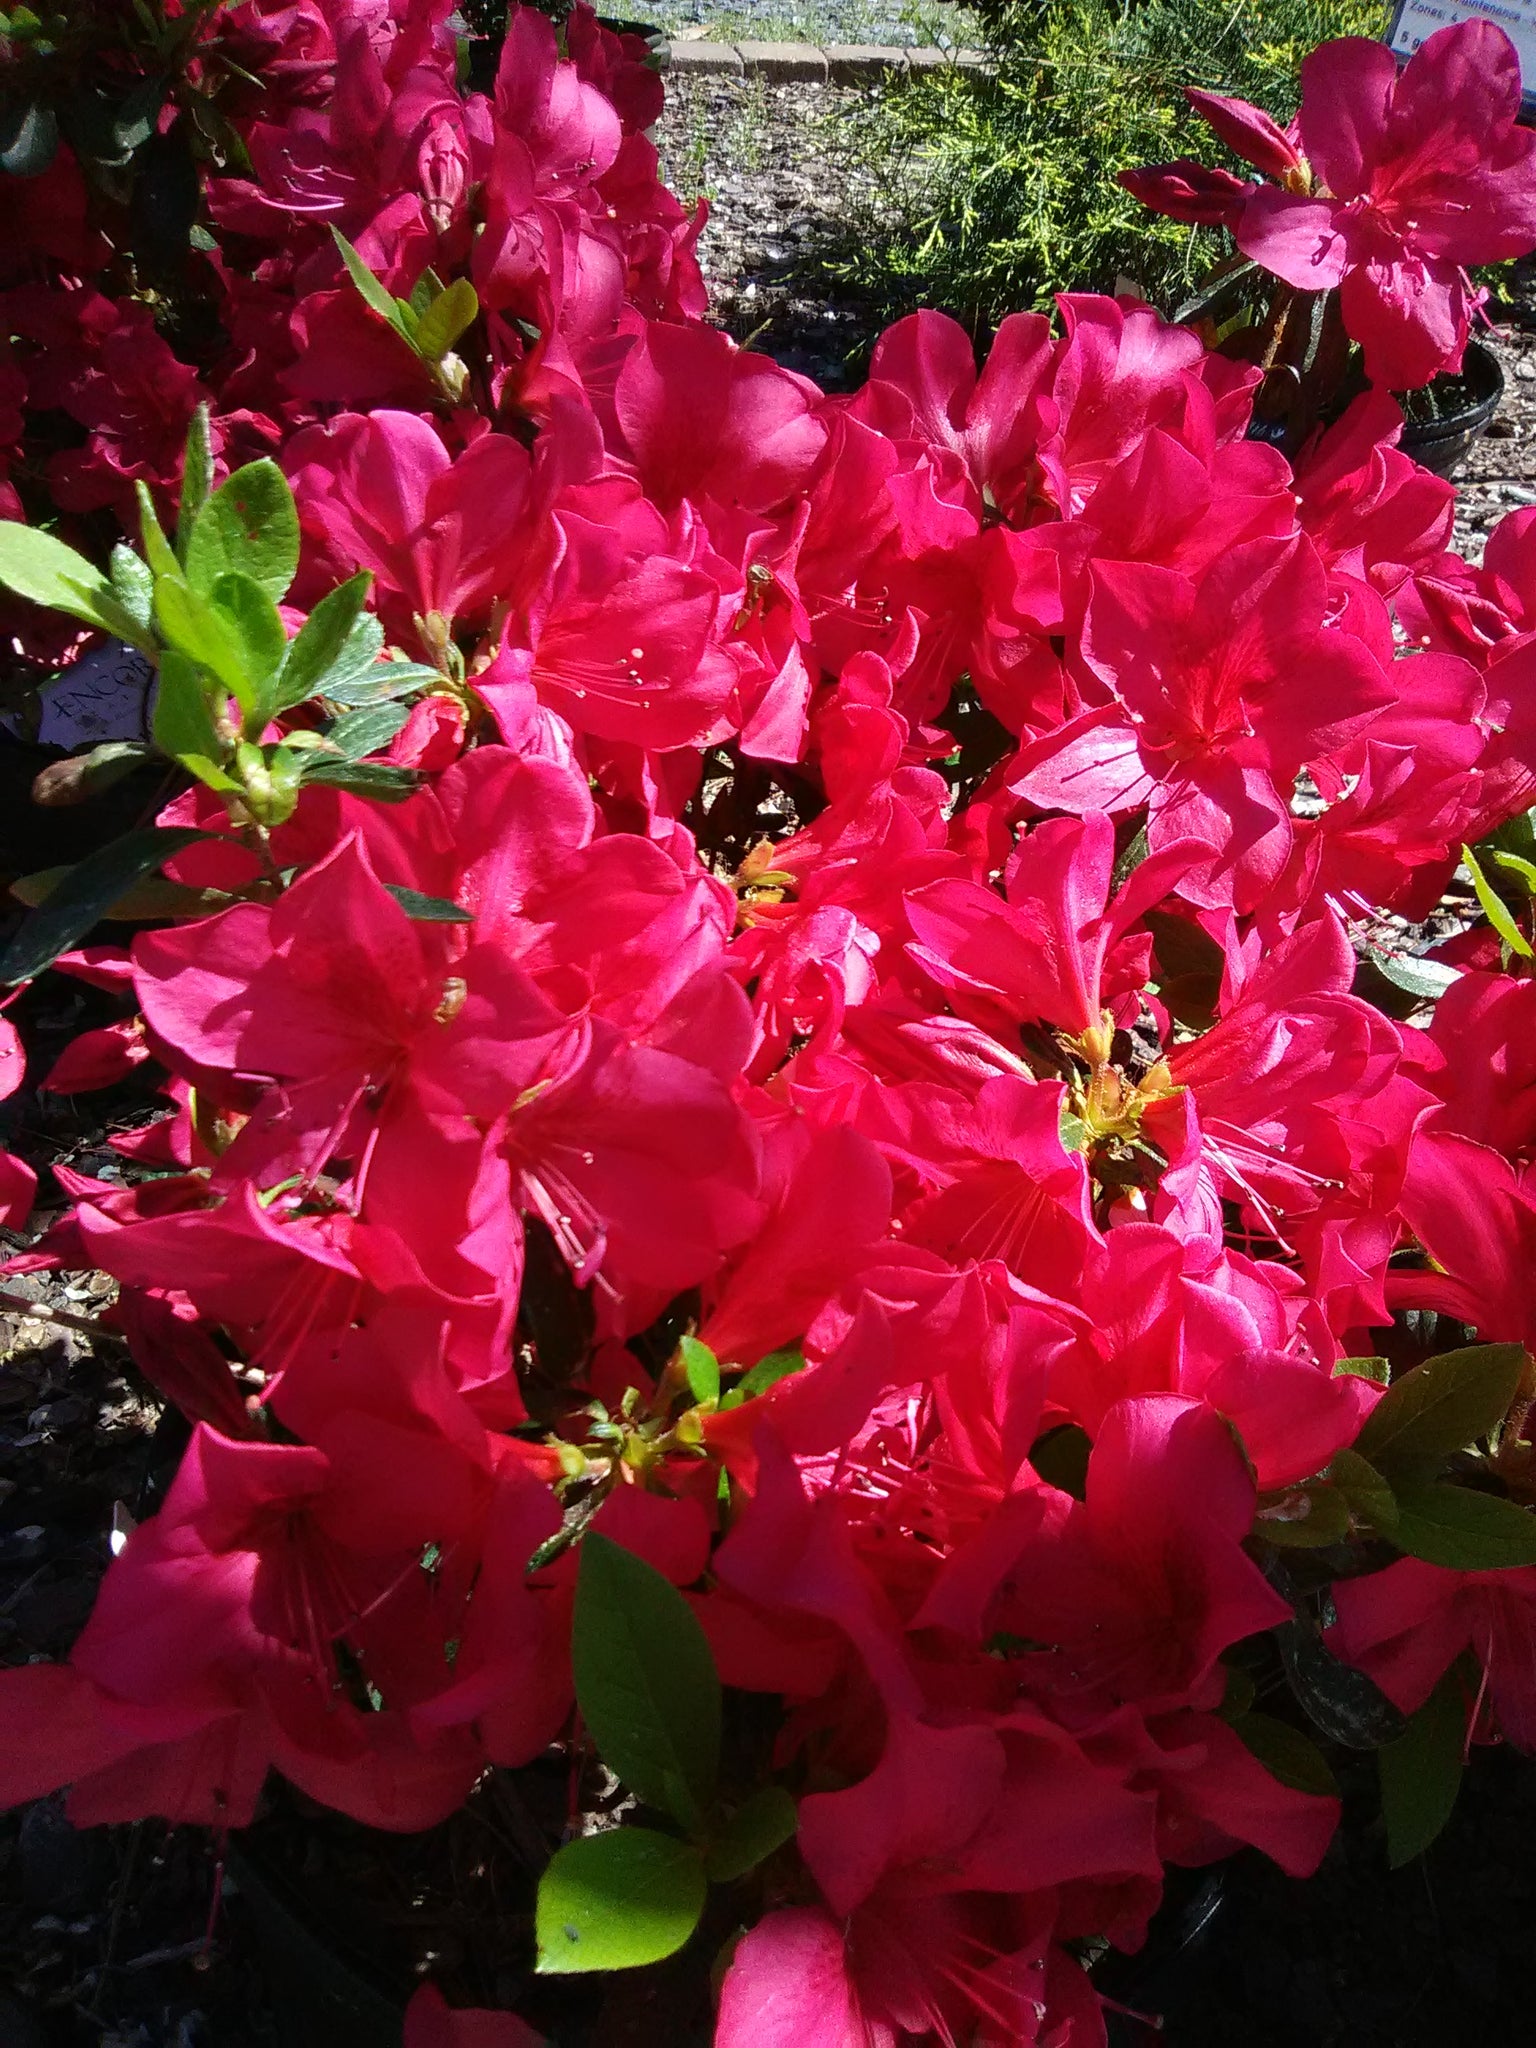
1005, 186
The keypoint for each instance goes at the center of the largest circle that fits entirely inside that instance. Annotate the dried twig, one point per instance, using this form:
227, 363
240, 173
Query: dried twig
40, 1312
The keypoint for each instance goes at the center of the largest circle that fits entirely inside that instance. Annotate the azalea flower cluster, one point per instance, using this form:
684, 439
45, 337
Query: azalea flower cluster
344, 115
1386, 187
843, 1075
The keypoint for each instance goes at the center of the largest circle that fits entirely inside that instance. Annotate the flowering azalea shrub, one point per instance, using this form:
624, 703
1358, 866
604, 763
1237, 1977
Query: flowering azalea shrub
789, 1069
1380, 195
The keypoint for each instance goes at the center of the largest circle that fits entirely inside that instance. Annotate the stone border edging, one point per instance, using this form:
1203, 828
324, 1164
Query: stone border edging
810, 63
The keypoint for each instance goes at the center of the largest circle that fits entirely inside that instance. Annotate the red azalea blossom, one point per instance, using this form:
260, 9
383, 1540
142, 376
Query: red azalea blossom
1392, 187
810, 988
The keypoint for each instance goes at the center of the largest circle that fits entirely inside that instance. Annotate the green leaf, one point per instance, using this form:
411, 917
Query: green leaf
1220, 285
285, 773
184, 720
219, 133
1239, 1695
381, 780
258, 631
134, 117
1462, 1530
134, 588
250, 525
87, 893
1072, 1130
86, 775
778, 1365
372, 290
196, 478
360, 651
645, 1681
1370, 1497
1287, 1754
383, 682
387, 682
322, 642
205, 635
1376, 1370
1303, 1517
361, 733
616, 1901
36, 566
29, 139
448, 318
1495, 909
1426, 979
1421, 1772
1126, 863
753, 1832
157, 549
1518, 865
210, 771
702, 1369
1441, 1406
429, 909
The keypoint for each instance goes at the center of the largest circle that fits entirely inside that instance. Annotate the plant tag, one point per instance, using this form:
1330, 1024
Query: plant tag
105, 695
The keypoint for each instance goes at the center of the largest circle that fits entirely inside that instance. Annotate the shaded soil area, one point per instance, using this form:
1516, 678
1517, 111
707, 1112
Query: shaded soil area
104, 1935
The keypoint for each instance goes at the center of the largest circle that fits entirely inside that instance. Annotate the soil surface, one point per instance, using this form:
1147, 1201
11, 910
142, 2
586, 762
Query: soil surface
139, 1937
898, 24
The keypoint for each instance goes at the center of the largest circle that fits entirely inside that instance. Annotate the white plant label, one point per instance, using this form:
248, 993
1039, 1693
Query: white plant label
1417, 19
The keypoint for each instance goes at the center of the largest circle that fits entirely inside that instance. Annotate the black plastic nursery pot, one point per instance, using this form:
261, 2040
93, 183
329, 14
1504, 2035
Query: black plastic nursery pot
1465, 404
1168, 1966
1442, 422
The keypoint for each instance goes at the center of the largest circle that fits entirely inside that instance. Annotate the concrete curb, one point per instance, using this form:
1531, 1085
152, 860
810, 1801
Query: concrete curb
810, 63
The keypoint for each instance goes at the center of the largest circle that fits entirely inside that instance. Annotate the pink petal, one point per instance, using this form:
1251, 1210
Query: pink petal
1346, 96
1247, 131
430, 2022
788, 1987
1300, 240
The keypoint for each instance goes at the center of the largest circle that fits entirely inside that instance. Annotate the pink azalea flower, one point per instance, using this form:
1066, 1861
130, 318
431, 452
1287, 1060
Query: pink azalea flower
1408, 1624
1387, 187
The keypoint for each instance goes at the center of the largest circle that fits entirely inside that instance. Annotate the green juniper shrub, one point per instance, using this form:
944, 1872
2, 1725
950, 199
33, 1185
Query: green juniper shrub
1000, 190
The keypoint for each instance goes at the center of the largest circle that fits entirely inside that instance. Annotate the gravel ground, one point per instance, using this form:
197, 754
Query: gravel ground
1500, 473
774, 161
906, 24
